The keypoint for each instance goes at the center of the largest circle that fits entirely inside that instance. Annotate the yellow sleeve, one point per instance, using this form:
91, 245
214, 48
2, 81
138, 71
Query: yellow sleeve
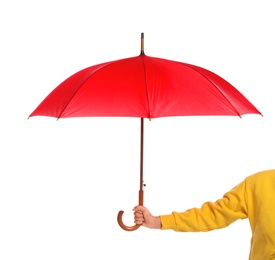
211, 215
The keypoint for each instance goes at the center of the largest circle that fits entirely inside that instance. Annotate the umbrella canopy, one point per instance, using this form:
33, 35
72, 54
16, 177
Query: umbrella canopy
144, 87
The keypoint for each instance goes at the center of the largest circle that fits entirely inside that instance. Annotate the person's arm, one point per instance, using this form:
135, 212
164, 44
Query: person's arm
212, 215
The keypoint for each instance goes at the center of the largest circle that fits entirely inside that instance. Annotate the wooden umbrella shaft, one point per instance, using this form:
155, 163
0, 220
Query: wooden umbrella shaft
141, 140
141, 184
141, 161
140, 201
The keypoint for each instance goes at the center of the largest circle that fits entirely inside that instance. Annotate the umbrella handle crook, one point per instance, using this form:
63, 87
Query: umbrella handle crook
121, 224
120, 213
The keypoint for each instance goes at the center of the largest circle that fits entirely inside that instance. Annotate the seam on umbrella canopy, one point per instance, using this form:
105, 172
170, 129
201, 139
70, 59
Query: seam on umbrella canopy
146, 85
68, 101
77, 82
101, 66
203, 74
193, 67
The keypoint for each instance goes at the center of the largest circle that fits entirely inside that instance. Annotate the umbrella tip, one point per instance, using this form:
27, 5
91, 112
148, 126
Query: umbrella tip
142, 44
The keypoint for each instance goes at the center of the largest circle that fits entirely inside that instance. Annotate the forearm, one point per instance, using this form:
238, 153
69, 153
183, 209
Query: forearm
212, 215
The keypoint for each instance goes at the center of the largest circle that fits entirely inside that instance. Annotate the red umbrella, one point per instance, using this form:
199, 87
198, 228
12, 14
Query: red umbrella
144, 87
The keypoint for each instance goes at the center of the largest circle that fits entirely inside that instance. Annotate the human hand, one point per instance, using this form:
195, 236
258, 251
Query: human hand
143, 217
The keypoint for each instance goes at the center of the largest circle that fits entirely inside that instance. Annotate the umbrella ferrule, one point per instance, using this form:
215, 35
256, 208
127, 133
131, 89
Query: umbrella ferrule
142, 44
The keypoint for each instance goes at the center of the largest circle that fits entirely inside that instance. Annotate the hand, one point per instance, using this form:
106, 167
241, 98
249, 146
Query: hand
145, 218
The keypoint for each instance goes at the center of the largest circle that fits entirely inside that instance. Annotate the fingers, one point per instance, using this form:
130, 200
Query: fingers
138, 216
139, 219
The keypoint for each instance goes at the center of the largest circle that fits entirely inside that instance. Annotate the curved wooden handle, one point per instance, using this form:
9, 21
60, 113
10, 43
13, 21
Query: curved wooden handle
121, 224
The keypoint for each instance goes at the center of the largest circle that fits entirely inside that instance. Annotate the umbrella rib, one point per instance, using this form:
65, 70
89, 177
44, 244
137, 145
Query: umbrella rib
101, 67
146, 86
191, 67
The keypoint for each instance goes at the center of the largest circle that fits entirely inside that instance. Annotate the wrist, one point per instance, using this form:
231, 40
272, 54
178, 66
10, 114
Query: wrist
157, 223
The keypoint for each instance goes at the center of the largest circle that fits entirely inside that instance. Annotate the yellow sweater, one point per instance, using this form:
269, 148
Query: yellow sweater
254, 198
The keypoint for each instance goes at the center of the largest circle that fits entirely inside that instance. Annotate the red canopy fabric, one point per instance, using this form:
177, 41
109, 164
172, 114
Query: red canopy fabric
145, 87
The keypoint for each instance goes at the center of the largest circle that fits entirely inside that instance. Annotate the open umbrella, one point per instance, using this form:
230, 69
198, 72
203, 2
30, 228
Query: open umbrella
144, 87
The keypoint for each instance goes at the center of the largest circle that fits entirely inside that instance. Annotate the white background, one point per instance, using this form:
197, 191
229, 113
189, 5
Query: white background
63, 182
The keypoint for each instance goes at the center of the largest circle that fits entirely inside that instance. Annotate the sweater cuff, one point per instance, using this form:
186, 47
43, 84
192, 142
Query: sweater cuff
167, 222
